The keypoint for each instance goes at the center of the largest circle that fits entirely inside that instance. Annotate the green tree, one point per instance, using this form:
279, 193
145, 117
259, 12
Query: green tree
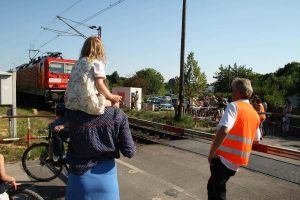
226, 74
194, 80
172, 85
275, 87
290, 74
150, 80
115, 78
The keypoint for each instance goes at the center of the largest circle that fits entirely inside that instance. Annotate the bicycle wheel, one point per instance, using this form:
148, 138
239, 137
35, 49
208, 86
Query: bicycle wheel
20, 194
38, 164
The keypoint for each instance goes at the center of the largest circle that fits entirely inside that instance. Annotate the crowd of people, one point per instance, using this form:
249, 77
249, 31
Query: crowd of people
208, 106
214, 108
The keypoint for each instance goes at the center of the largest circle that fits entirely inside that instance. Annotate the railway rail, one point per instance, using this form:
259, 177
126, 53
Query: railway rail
262, 159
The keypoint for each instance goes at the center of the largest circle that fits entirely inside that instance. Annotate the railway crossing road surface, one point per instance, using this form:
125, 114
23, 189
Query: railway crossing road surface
165, 173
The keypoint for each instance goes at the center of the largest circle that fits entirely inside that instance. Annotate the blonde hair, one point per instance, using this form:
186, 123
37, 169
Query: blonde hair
93, 49
242, 85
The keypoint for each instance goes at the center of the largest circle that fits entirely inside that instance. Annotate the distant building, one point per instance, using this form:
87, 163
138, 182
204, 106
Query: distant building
127, 93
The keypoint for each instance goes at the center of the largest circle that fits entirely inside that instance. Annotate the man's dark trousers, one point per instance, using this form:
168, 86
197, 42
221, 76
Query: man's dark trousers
220, 174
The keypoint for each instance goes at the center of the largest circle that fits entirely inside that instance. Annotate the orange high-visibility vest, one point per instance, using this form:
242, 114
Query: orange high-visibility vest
261, 109
237, 145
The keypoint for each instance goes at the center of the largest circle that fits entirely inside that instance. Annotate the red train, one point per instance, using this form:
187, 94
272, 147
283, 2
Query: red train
45, 78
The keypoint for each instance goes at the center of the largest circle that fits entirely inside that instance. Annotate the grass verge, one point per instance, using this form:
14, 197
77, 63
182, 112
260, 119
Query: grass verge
168, 117
13, 151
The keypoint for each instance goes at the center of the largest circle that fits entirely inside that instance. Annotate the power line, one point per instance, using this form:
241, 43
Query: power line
85, 20
60, 33
62, 12
41, 32
101, 11
48, 42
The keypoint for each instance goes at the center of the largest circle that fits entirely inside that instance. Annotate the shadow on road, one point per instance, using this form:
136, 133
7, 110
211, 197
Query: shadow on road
51, 192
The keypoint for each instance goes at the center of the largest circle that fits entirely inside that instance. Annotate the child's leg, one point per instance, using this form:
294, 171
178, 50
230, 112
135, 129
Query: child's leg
108, 103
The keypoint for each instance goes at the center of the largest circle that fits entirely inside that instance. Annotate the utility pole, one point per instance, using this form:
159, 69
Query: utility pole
181, 79
14, 103
229, 85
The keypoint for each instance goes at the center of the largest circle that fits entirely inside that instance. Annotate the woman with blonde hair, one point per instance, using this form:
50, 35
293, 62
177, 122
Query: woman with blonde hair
86, 90
98, 131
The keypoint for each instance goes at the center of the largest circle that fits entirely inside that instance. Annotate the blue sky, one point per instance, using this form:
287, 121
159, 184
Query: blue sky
261, 34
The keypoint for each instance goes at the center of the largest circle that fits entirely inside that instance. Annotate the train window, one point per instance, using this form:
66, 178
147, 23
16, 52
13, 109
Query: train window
68, 68
56, 67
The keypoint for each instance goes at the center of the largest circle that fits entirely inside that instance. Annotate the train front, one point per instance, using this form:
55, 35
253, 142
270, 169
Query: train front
57, 74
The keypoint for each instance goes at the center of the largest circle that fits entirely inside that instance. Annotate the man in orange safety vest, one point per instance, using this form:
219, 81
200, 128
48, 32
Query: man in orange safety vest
231, 148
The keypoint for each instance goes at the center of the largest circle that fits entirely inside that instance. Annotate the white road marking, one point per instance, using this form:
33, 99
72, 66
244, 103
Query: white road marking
160, 180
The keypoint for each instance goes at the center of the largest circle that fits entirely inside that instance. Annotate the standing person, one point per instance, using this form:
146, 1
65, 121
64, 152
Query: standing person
5, 178
86, 90
95, 142
132, 100
221, 106
136, 99
253, 100
260, 109
285, 119
265, 104
231, 148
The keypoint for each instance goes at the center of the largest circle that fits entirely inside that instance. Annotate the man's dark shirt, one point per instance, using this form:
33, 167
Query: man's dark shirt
95, 138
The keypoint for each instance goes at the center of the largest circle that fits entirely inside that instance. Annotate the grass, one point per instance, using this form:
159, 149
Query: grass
168, 117
38, 126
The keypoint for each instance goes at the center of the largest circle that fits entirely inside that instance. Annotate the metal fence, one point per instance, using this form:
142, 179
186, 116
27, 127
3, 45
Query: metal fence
28, 127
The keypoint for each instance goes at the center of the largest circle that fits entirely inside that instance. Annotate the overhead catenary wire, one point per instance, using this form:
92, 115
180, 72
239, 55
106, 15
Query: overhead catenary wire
79, 33
61, 13
111, 5
94, 15
13, 61
60, 33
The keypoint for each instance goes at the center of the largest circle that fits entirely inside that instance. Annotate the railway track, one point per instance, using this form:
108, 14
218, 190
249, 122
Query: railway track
199, 143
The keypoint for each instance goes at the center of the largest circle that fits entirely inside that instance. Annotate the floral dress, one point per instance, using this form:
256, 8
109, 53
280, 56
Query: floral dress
81, 93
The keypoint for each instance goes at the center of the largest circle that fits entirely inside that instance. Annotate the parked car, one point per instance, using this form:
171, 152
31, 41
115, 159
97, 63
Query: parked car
165, 105
154, 100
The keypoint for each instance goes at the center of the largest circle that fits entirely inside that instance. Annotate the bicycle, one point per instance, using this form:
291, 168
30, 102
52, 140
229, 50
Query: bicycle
22, 192
38, 163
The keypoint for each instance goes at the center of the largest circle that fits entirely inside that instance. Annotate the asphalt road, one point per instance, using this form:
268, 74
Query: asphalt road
164, 173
